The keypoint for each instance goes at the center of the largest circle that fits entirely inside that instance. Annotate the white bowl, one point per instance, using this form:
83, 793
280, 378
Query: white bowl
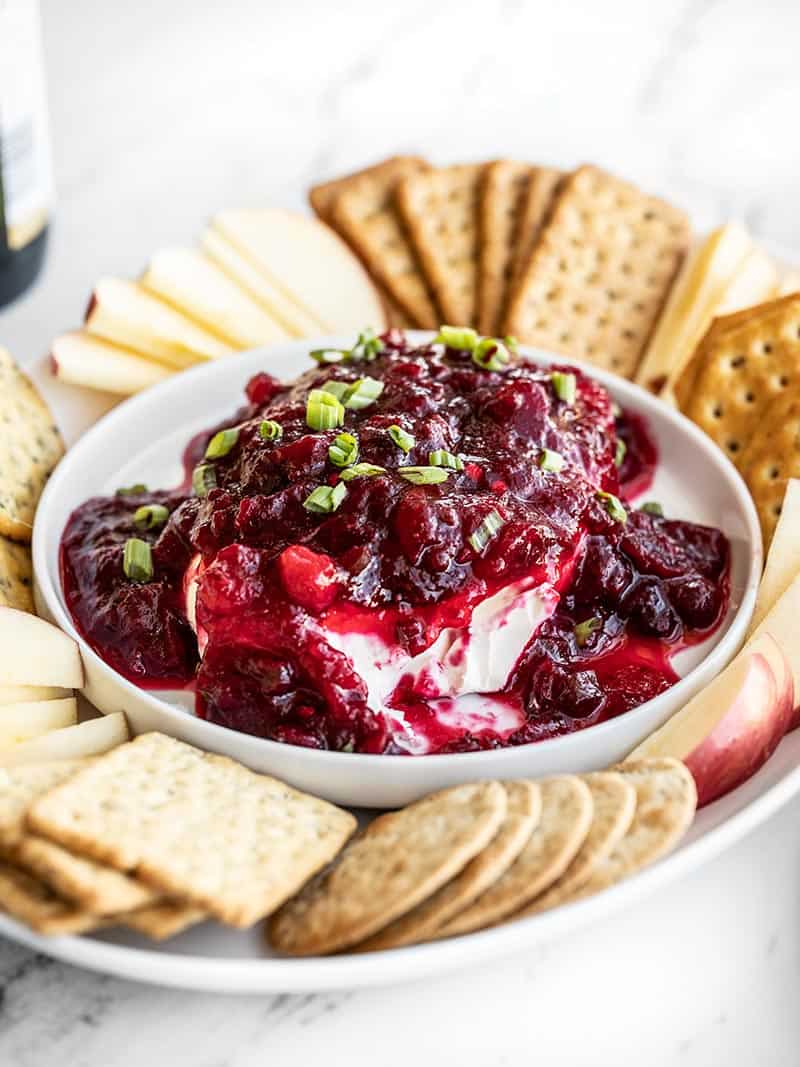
142, 441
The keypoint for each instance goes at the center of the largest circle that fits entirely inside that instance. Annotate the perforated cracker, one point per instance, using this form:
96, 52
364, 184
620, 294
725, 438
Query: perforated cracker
199, 827
600, 272
505, 189
16, 576
440, 210
21, 786
32, 903
323, 196
772, 457
400, 860
536, 206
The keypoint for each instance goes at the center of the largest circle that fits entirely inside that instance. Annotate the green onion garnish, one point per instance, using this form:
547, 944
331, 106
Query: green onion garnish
323, 410
652, 507
137, 560
565, 386
424, 475
462, 338
440, 457
204, 479
344, 450
325, 498
616, 410
551, 461
150, 516
221, 443
270, 430
619, 455
337, 389
613, 507
362, 470
511, 343
402, 438
367, 346
132, 490
362, 393
584, 630
493, 522
491, 354
329, 355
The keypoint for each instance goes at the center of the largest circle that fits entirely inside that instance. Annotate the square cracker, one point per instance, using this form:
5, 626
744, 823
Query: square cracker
196, 826
30, 447
16, 576
600, 272
164, 919
440, 210
323, 197
534, 210
772, 457
21, 786
363, 212
32, 903
505, 190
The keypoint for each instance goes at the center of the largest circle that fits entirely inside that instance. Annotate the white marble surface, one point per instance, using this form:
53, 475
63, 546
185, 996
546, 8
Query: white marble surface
164, 112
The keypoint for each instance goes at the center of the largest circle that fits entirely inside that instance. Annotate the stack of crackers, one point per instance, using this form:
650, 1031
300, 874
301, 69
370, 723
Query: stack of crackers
579, 263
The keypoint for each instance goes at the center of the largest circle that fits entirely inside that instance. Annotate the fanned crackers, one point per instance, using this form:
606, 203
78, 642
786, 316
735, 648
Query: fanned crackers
505, 190
30, 447
600, 272
399, 861
534, 210
361, 209
23, 898
440, 210
772, 457
16, 576
196, 826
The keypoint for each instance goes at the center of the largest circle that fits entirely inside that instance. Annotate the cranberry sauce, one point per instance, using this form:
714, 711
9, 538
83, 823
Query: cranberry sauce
466, 479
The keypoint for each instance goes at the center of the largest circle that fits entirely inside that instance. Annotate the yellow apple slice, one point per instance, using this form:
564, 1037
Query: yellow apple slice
190, 281
24, 694
306, 260
20, 722
753, 283
691, 303
783, 558
90, 738
275, 301
33, 652
80, 359
788, 284
126, 314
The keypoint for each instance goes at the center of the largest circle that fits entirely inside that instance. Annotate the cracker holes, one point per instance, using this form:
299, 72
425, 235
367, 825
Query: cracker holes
748, 397
737, 361
773, 474
733, 447
717, 411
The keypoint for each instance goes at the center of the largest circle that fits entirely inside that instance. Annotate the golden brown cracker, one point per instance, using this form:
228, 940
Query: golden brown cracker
21, 786
163, 920
600, 272
16, 576
772, 457
534, 211
505, 188
324, 195
32, 903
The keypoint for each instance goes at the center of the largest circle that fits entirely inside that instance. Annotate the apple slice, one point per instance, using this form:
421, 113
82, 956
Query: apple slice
20, 722
126, 314
26, 694
90, 738
32, 652
306, 260
753, 283
193, 284
788, 284
783, 558
275, 301
80, 359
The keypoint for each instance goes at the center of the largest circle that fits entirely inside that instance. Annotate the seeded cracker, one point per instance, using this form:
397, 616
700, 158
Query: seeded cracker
197, 826
600, 272
505, 189
16, 576
524, 809
400, 860
30, 446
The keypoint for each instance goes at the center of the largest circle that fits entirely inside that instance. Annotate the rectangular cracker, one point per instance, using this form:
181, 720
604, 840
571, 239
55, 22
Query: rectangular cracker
167, 919
440, 211
21, 786
533, 213
323, 196
600, 272
772, 457
32, 903
16, 576
363, 212
197, 826
505, 189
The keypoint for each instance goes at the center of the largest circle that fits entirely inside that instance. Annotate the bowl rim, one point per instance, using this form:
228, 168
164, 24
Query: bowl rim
49, 588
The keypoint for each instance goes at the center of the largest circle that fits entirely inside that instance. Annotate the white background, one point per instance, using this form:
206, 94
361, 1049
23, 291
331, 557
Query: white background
164, 112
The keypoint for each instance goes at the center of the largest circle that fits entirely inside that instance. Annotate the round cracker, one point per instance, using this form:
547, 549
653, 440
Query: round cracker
422, 922
564, 823
614, 806
400, 860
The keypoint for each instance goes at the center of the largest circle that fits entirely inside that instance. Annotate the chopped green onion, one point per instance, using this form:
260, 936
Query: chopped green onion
344, 450
325, 498
270, 430
584, 630
565, 386
150, 516
491, 354
440, 457
424, 475
616, 410
613, 507
132, 490
362, 470
463, 338
402, 438
367, 346
337, 389
329, 355
137, 560
221, 443
619, 455
511, 343
551, 461
652, 507
204, 479
323, 410
362, 393
493, 522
